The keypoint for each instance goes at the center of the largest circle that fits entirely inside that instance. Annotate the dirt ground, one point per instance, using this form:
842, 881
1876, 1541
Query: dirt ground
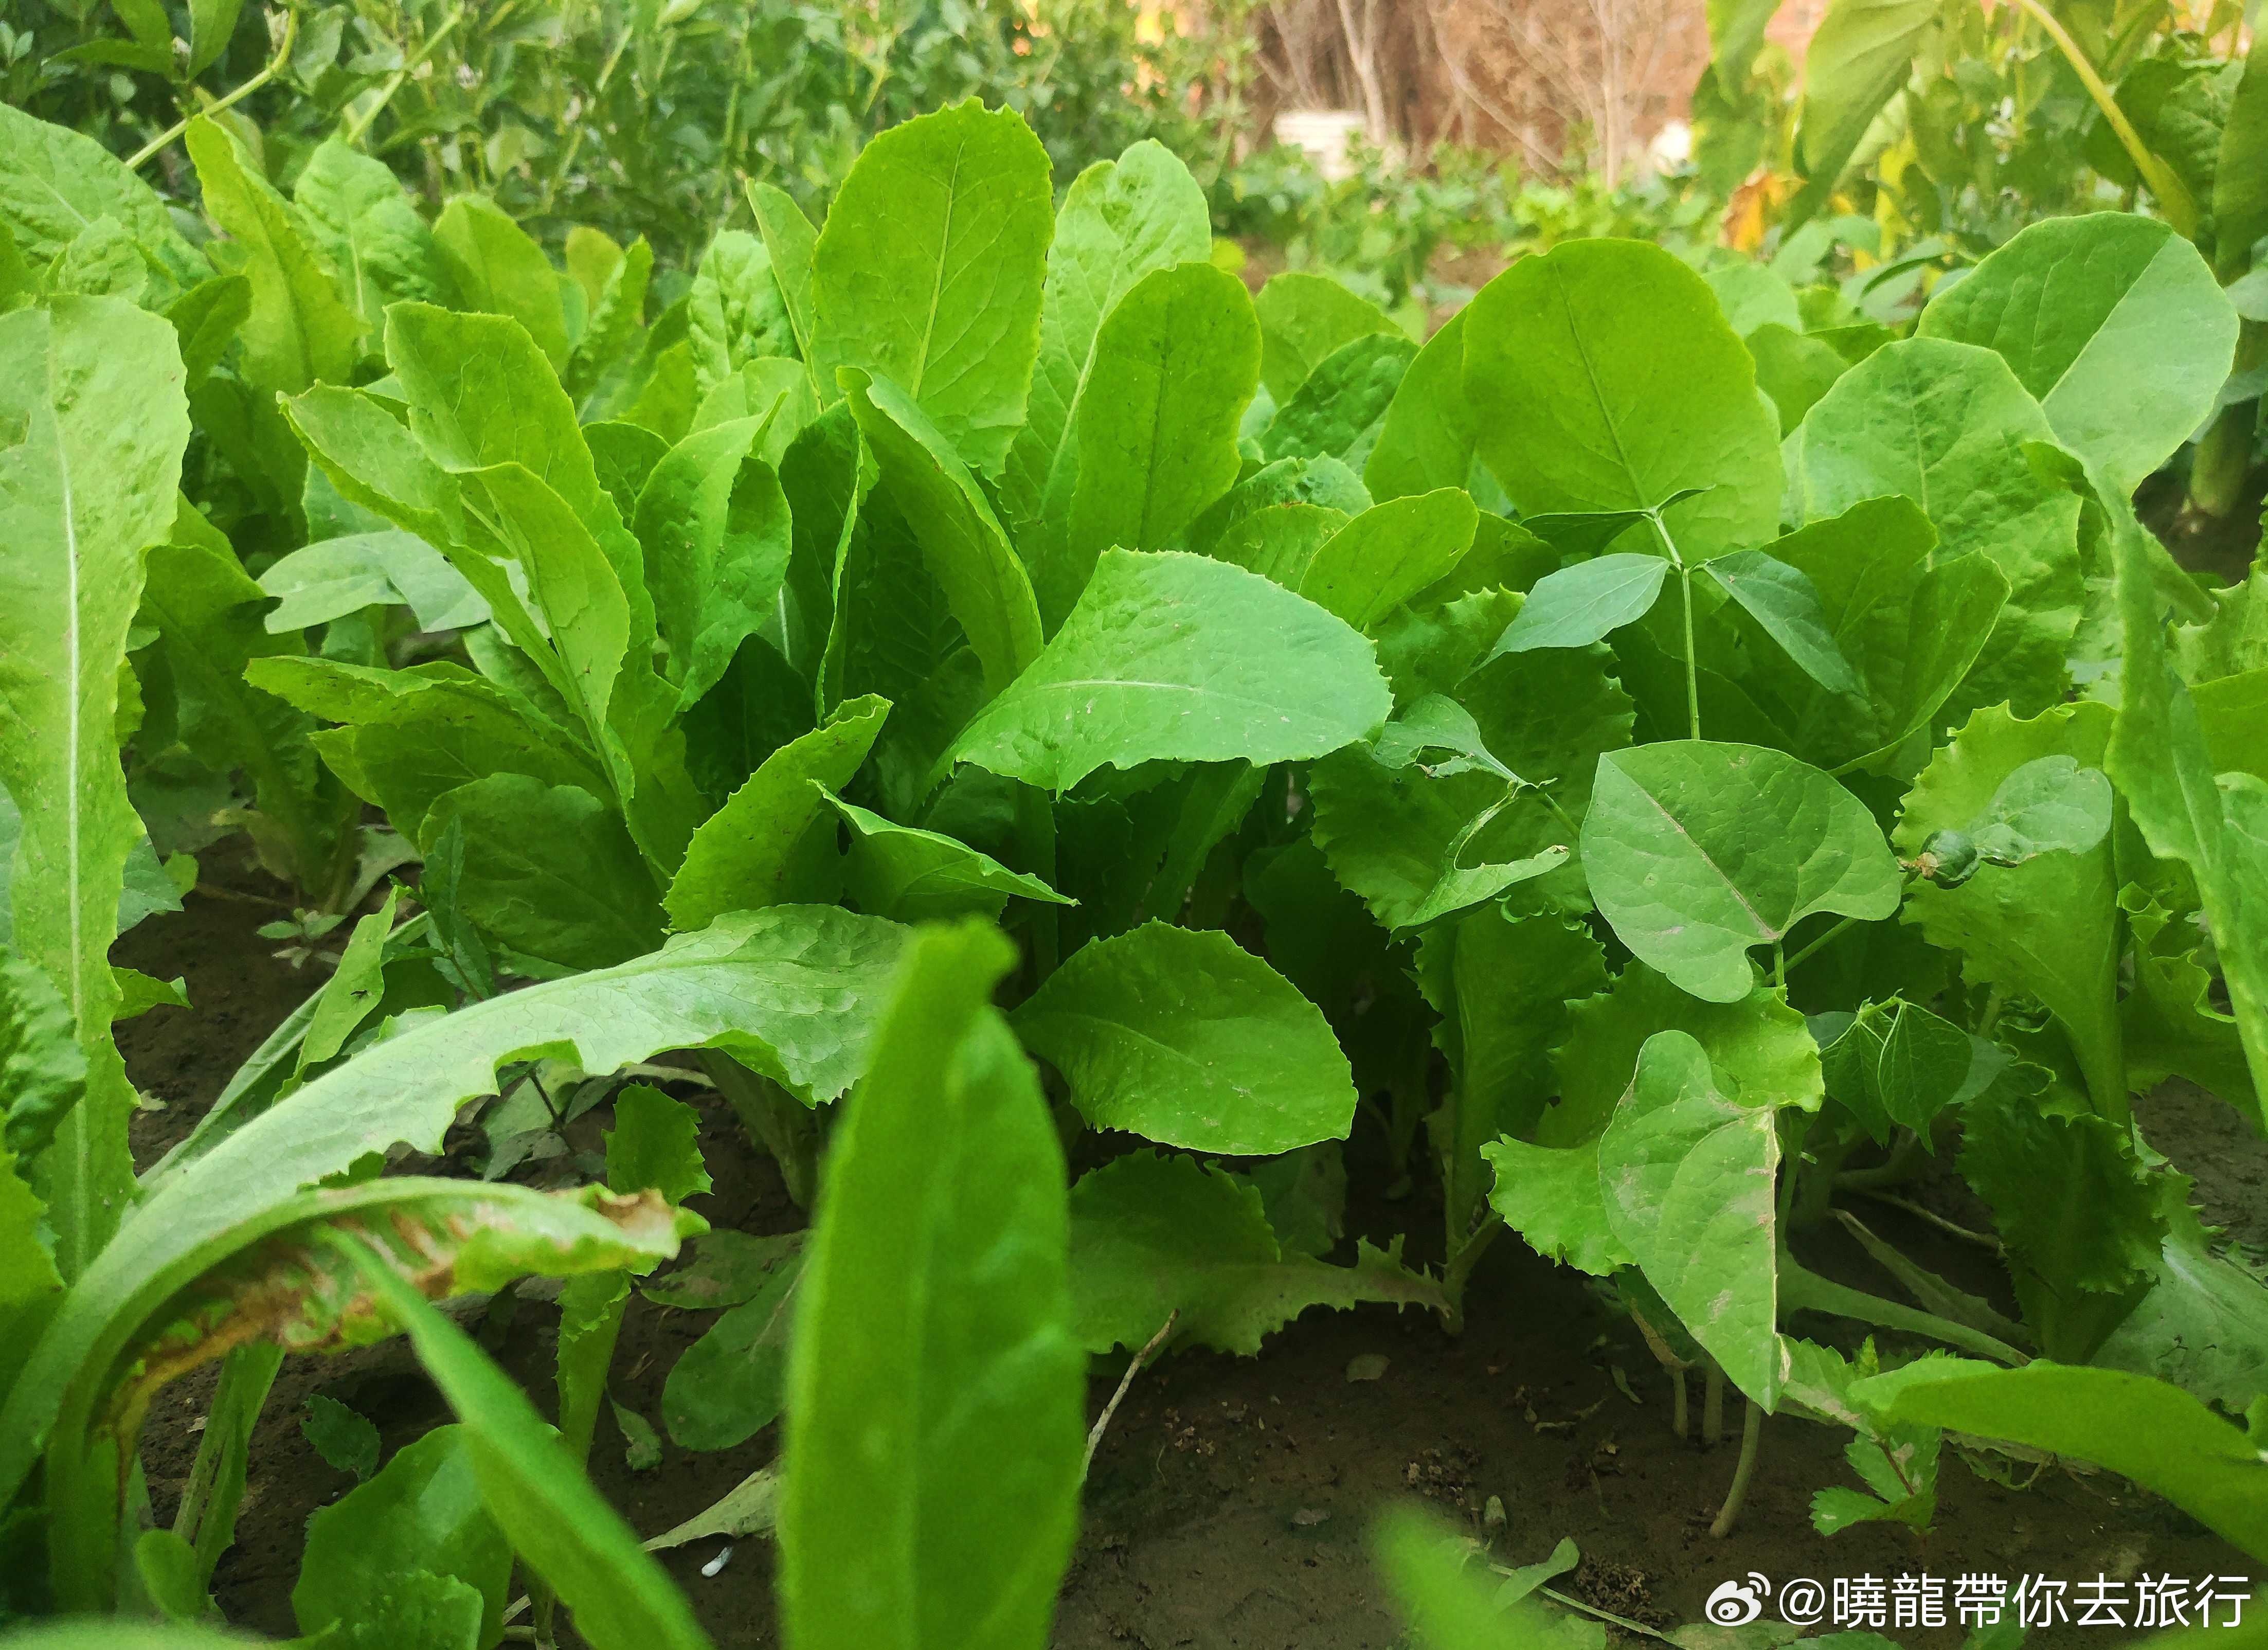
1230, 1499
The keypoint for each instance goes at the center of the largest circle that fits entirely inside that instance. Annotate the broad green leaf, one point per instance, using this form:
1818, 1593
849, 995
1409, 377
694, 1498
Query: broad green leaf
301, 330
211, 22
1340, 408
2049, 929
481, 394
355, 210
1794, 369
1281, 541
727, 1268
2169, 1024
1121, 220
1604, 378
333, 577
560, 1526
789, 993
2112, 322
2154, 1434
89, 392
1898, 1063
1153, 1232
1913, 630
1390, 552
376, 464
1144, 669
423, 1513
1551, 1196
1859, 56
610, 338
734, 1380
1579, 605
962, 543
931, 1458
929, 269
2240, 187
760, 849
43, 1069
1697, 851
346, 1439
655, 1144
354, 988
2048, 805
2078, 1214
55, 181
1752, 295
1689, 1175
1427, 438
496, 269
1947, 424
792, 244
1173, 366
910, 875
1181, 1035
1501, 988
550, 871
412, 734
2204, 1325
735, 312
1323, 482
1783, 603
209, 613
1759, 1043
206, 318
2217, 826
1305, 319
714, 526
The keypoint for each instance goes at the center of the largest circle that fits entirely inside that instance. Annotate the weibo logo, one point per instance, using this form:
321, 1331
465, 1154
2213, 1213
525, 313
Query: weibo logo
1737, 1603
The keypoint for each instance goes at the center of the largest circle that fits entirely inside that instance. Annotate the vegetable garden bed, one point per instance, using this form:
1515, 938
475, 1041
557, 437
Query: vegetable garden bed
969, 802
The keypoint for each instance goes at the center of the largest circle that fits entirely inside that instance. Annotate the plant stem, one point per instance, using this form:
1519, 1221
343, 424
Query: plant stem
2181, 211
274, 67
1959, 1233
1102, 1421
1826, 938
394, 82
1752, 1431
1679, 1421
1713, 1406
575, 142
1685, 591
1462, 1258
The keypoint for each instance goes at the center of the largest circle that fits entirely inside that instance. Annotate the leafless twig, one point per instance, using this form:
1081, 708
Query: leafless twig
1094, 1436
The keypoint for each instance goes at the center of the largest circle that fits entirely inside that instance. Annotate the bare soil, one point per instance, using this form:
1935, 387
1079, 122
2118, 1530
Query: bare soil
1229, 1503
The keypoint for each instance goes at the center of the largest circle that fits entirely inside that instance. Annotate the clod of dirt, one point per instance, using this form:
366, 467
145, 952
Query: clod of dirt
1307, 1517
1367, 1366
1619, 1590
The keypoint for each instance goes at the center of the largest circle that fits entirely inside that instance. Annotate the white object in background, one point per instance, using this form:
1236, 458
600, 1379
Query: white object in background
1672, 146
1323, 134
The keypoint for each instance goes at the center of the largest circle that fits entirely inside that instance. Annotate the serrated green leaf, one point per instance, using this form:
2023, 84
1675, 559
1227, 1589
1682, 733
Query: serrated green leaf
1180, 1035
1137, 673
2112, 321
727, 1268
734, 311
2049, 929
1697, 851
1426, 440
1606, 378
2204, 1326
655, 1143
930, 270
424, 1512
91, 389
55, 181
934, 1423
43, 1068
346, 1440
1551, 1196
1339, 409
1687, 1172
1153, 1233
758, 849
354, 988
1390, 552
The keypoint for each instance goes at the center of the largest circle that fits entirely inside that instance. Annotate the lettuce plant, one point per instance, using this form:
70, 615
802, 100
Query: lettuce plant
1660, 815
